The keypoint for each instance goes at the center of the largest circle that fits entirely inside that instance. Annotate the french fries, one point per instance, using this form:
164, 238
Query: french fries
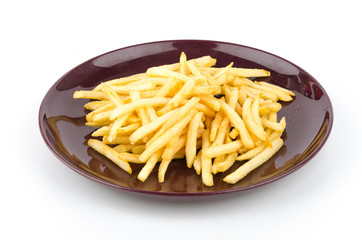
208, 116
255, 162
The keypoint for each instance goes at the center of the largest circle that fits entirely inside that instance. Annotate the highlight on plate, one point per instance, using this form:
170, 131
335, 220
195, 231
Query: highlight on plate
210, 117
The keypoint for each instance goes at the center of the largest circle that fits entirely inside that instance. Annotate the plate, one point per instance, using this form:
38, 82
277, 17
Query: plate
61, 118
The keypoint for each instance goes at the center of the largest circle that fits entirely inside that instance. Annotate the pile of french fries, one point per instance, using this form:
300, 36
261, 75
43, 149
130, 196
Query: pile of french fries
191, 110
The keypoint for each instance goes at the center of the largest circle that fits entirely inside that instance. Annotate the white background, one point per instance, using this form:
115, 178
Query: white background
41, 198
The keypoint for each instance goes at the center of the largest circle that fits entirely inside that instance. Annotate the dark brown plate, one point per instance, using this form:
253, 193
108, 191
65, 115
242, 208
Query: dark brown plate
61, 118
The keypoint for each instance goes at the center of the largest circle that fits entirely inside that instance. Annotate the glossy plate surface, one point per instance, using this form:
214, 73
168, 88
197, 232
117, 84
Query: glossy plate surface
61, 118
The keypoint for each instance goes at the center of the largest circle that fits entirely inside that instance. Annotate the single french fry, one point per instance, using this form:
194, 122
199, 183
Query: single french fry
197, 163
129, 157
93, 105
272, 106
97, 95
162, 72
168, 155
101, 131
110, 154
227, 148
255, 162
215, 125
150, 164
252, 153
190, 148
247, 72
206, 162
274, 125
232, 99
242, 72
123, 148
241, 81
117, 140
183, 66
205, 61
99, 124
126, 130
286, 91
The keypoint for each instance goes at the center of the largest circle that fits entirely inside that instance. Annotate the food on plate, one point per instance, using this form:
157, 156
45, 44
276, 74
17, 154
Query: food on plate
208, 116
